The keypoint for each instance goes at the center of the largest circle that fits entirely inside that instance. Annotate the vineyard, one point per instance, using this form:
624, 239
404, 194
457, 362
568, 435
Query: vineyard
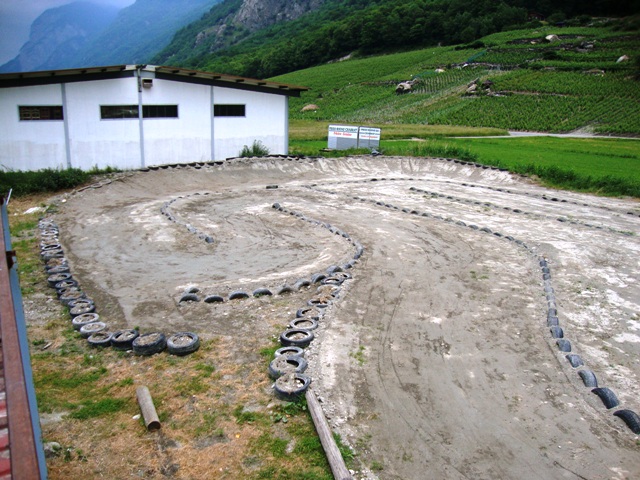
571, 81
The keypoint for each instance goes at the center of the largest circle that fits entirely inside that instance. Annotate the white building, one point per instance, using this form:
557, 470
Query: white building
131, 116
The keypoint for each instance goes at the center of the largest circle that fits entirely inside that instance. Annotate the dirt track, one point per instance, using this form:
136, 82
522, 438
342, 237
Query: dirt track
437, 361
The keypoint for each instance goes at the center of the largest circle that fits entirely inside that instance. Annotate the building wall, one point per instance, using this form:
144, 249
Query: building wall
93, 142
101, 143
266, 120
30, 145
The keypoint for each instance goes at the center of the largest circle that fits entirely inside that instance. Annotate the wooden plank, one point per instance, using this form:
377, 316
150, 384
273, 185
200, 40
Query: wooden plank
24, 459
334, 457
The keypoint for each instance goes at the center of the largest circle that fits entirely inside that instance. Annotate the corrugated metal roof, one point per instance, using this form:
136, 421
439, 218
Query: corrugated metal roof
175, 73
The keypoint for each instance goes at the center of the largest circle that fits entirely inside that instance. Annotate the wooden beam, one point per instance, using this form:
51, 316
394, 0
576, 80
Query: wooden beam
334, 457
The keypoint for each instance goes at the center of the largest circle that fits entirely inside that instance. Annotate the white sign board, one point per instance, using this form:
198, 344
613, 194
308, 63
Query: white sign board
369, 137
342, 137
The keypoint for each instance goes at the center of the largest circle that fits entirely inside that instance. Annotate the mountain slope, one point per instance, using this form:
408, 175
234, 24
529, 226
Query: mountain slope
228, 24
218, 42
516, 80
141, 30
58, 34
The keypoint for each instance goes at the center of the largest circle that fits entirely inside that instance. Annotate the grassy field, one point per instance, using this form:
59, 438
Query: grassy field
605, 166
573, 83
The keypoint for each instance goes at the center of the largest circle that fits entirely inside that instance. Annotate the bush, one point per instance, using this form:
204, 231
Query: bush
47, 180
258, 149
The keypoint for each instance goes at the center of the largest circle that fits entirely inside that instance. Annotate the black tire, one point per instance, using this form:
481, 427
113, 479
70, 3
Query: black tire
289, 351
149, 343
284, 364
80, 301
81, 308
292, 386
563, 345
58, 269
71, 294
303, 282
123, 339
284, 289
189, 297
333, 269
574, 360
262, 292
318, 277
332, 280
52, 280
296, 337
183, 343
304, 323
311, 312
318, 302
69, 283
631, 418
607, 396
84, 319
556, 332
213, 299
238, 295
588, 378
552, 322
100, 339
90, 328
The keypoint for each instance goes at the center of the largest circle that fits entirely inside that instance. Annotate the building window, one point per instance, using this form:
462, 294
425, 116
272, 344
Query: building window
160, 111
228, 110
118, 111
41, 113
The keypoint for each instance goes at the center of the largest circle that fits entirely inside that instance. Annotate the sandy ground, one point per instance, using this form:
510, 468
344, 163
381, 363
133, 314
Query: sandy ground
436, 360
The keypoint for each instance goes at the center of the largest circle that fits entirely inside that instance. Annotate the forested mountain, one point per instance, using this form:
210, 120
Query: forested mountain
141, 30
58, 34
331, 29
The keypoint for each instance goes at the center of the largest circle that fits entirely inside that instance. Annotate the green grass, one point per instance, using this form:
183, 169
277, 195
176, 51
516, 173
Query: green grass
598, 165
537, 86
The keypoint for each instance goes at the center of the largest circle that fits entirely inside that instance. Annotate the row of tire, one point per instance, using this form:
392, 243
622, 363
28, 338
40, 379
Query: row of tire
332, 275
589, 379
166, 211
608, 397
288, 365
82, 309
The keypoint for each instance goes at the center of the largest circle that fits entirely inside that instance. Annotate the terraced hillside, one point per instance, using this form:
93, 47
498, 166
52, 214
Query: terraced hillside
581, 78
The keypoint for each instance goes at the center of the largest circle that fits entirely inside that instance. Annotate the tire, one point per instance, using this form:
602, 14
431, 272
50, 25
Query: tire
123, 339
100, 339
284, 289
563, 345
556, 332
304, 323
58, 269
292, 386
284, 364
262, 292
332, 280
607, 396
84, 319
52, 280
552, 322
183, 343
333, 269
149, 343
631, 418
189, 297
213, 299
574, 360
82, 308
318, 302
318, 277
66, 284
289, 351
303, 282
296, 337
71, 294
588, 378
90, 328
311, 312
238, 295
80, 301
